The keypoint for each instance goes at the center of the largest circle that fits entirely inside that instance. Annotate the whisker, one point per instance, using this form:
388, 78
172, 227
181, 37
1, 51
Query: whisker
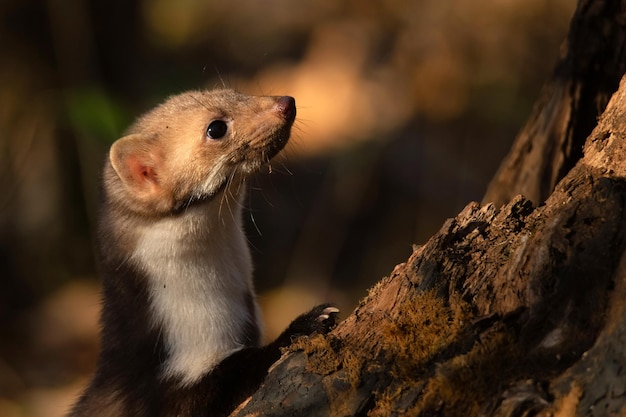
264, 193
219, 75
256, 227
228, 193
286, 168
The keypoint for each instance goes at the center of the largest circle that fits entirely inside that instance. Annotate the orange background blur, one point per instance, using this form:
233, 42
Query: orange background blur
405, 109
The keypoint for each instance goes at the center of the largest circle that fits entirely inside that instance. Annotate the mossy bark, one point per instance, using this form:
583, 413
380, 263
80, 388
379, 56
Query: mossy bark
507, 311
511, 311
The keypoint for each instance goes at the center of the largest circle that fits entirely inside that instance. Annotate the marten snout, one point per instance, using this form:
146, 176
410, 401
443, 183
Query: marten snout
286, 105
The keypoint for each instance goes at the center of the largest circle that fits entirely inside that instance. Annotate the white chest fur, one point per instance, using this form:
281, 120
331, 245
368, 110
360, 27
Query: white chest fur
199, 271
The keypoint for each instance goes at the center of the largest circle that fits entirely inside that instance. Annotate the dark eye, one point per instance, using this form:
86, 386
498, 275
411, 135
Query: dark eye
217, 129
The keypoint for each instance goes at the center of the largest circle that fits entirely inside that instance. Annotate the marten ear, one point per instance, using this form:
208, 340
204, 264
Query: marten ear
137, 162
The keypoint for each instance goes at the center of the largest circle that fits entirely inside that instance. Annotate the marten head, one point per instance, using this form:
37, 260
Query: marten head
193, 146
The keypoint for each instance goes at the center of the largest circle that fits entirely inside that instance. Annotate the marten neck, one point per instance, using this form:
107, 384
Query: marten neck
189, 276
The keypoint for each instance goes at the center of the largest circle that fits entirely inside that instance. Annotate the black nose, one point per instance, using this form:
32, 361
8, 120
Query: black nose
286, 106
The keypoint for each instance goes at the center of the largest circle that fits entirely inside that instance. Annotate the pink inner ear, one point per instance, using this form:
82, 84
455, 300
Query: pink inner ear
141, 172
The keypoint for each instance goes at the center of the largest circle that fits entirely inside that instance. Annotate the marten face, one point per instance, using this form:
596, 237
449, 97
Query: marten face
194, 146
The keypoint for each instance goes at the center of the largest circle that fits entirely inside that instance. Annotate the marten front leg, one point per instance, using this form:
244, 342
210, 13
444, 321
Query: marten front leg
241, 373
320, 320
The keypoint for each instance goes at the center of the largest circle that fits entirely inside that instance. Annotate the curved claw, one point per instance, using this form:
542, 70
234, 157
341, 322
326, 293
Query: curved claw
328, 313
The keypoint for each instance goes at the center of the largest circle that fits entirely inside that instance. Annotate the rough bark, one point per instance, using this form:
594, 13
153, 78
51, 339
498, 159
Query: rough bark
507, 311
585, 76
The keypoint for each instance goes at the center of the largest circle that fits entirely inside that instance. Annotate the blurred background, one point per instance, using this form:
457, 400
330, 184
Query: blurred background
405, 109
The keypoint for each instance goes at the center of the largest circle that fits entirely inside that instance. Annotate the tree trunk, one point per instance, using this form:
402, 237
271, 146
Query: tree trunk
511, 311
585, 77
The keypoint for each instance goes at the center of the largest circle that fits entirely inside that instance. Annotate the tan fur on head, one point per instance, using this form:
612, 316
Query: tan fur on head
167, 158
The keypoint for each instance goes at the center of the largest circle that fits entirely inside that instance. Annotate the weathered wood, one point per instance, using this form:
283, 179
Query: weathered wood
510, 310
584, 78
507, 312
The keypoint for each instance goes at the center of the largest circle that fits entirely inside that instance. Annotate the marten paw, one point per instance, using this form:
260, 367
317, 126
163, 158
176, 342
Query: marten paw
320, 320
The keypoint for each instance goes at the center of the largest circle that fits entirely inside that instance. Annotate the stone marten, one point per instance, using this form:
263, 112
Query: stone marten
180, 323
